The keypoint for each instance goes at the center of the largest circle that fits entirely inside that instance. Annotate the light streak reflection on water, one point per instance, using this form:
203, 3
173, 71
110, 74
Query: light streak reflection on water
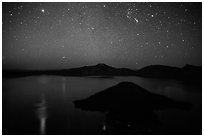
42, 114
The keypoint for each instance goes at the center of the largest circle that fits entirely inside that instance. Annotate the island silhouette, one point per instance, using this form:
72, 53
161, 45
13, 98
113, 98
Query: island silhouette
188, 73
130, 109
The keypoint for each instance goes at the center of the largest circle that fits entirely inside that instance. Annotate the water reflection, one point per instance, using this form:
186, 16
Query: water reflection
54, 112
43, 80
64, 85
104, 127
132, 122
42, 114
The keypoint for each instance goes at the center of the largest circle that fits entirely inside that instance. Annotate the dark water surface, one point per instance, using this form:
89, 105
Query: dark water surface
44, 105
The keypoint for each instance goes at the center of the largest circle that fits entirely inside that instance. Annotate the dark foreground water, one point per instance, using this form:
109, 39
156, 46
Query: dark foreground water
44, 105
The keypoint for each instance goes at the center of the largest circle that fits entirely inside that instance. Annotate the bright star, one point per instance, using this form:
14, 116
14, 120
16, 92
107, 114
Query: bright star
136, 20
42, 10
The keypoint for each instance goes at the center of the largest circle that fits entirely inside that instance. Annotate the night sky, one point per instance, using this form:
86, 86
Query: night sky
131, 35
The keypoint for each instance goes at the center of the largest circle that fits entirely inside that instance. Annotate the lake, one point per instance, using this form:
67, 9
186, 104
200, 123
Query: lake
44, 105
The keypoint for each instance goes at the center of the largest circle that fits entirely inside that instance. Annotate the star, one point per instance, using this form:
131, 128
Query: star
43, 10
137, 21
103, 29
92, 28
128, 17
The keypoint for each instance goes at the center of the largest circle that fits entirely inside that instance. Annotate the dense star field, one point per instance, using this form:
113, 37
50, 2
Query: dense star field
134, 35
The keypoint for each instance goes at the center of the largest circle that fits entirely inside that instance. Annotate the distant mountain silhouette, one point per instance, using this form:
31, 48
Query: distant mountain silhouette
97, 70
129, 107
188, 73
159, 71
101, 69
191, 72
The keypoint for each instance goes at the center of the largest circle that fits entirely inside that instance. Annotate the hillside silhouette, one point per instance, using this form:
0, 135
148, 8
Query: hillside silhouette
129, 108
188, 73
